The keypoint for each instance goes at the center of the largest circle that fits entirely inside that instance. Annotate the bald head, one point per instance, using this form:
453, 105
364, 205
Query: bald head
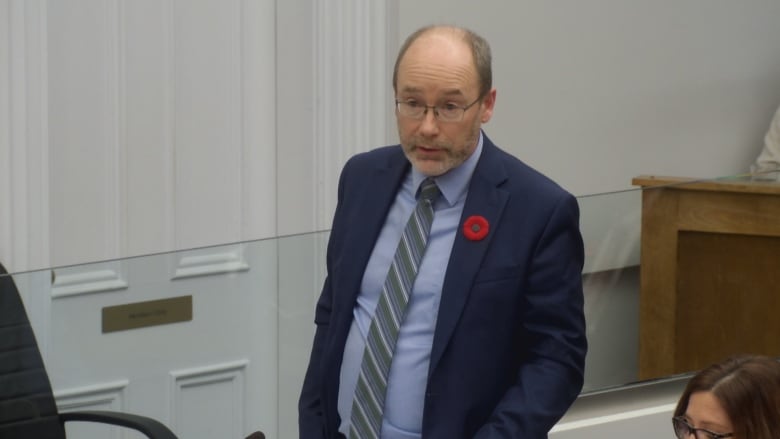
479, 47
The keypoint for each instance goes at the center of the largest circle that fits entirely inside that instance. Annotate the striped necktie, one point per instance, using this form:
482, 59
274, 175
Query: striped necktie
369, 400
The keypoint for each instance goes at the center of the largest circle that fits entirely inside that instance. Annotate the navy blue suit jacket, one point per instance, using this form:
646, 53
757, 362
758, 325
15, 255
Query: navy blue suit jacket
509, 345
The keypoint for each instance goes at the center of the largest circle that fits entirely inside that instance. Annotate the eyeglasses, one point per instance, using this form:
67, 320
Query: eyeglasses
683, 430
444, 112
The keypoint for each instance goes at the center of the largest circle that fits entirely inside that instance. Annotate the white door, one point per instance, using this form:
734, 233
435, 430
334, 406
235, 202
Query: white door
211, 376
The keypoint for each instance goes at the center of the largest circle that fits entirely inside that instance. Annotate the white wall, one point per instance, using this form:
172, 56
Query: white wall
596, 92
155, 105
334, 62
24, 153
132, 127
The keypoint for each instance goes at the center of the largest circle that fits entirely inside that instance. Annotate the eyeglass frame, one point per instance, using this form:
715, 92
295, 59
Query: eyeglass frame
436, 108
691, 429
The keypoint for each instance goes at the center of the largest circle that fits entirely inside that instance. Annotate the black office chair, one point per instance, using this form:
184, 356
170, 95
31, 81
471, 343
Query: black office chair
27, 407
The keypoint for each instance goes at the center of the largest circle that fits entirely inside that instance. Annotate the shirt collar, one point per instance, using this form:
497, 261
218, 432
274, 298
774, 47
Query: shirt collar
454, 183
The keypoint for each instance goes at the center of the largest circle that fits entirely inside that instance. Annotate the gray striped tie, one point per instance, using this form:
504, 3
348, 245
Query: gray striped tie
369, 401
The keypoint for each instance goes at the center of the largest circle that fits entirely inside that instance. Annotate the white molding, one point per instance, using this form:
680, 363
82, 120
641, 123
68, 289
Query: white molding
614, 417
68, 283
206, 262
236, 107
6, 87
104, 396
351, 89
18, 132
38, 242
24, 235
231, 373
207, 374
117, 14
114, 94
169, 122
258, 120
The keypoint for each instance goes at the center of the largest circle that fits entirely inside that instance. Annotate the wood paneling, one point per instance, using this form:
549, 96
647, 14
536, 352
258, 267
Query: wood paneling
727, 297
709, 272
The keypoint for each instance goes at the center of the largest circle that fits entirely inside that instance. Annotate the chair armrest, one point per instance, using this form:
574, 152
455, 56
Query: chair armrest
151, 428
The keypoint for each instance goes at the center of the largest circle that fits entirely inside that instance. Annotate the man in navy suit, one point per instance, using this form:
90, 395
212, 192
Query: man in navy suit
492, 343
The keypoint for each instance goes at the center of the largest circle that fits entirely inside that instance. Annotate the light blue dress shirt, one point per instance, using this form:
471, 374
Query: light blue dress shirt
409, 369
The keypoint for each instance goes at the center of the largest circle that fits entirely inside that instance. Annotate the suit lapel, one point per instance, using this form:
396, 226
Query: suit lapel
484, 199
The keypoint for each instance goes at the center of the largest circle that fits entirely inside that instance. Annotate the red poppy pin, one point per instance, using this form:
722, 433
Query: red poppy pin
476, 228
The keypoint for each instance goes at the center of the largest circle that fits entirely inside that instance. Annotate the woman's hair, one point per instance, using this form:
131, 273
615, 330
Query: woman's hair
748, 388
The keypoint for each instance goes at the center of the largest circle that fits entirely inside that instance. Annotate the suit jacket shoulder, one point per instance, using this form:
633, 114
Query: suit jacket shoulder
509, 174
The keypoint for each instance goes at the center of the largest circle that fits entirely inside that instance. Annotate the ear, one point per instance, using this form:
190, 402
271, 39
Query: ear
487, 105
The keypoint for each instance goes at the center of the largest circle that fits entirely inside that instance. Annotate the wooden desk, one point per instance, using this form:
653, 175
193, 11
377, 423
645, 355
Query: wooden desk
710, 272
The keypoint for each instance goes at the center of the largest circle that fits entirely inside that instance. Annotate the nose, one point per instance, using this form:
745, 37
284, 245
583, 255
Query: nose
429, 125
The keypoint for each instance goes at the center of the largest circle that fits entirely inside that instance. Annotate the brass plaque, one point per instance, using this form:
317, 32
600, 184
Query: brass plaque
151, 313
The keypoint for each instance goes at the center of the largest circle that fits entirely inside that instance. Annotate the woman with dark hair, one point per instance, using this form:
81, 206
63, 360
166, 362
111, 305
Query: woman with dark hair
737, 398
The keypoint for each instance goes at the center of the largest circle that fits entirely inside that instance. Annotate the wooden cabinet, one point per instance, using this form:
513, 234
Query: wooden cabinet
710, 272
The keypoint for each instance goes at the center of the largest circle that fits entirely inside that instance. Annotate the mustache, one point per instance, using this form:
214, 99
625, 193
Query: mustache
415, 143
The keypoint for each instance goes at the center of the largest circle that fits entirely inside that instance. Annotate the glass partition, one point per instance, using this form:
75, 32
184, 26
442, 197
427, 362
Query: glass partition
214, 341
610, 225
